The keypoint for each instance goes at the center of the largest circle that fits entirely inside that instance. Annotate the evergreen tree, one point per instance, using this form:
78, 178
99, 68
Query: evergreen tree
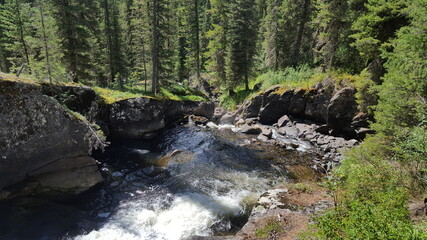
241, 42
217, 36
375, 28
330, 20
78, 24
17, 31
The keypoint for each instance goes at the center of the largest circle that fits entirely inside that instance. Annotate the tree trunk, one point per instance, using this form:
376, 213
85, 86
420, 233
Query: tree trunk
155, 49
303, 21
46, 49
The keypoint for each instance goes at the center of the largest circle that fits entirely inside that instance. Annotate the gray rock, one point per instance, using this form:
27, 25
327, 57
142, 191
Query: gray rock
39, 138
132, 118
342, 109
284, 121
250, 129
316, 108
263, 138
205, 109
252, 107
266, 132
289, 131
228, 118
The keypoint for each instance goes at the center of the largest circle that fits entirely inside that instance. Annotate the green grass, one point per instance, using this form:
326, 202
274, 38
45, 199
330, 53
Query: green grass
231, 101
301, 76
271, 228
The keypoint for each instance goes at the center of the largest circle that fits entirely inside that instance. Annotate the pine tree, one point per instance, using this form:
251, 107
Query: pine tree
375, 28
241, 42
78, 24
17, 30
331, 21
4, 62
217, 46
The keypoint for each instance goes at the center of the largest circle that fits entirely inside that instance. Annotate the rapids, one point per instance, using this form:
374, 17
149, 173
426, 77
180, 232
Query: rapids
210, 192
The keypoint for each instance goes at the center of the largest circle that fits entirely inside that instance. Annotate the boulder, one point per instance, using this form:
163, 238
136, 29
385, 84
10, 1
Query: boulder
41, 139
250, 129
297, 103
252, 107
284, 121
228, 118
317, 104
205, 109
132, 118
342, 109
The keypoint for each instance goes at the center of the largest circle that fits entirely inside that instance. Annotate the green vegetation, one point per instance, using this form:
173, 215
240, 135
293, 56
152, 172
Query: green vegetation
270, 229
300, 187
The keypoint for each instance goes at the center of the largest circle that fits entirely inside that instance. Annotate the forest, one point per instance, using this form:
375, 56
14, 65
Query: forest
239, 47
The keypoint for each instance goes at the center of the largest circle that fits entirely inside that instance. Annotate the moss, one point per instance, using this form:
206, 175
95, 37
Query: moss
111, 96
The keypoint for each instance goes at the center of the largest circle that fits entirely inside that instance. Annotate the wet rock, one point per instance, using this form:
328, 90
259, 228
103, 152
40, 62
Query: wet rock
39, 137
250, 129
174, 157
197, 119
132, 118
342, 109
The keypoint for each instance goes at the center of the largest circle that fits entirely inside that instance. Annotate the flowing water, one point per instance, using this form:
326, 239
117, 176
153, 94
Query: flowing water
205, 188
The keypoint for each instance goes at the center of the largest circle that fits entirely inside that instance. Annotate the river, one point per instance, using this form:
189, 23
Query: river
206, 187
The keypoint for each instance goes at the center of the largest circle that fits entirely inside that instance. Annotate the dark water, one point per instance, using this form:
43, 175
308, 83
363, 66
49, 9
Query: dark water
206, 188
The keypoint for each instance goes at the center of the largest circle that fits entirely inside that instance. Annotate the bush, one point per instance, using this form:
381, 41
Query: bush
372, 200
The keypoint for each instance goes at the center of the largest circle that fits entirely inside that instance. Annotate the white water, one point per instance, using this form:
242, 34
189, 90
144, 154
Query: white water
174, 217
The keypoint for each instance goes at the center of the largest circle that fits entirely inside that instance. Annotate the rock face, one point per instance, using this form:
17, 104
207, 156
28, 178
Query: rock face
40, 139
138, 118
323, 104
134, 118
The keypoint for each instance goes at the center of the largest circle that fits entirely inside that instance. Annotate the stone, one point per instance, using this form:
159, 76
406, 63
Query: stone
205, 109
363, 132
132, 118
342, 109
270, 113
263, 138
240, 122
228, 118
252, 107
266, 132
284, 121
289, 131
323, 129
254, 130
39, 138
317, 104
297, 103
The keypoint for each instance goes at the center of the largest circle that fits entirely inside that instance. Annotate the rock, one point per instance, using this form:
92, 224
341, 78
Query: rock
205, 109
342, 109
240, 122
266, 132
228, 118
132, 118
81, 99
271, 112
284, 121
39, 138
252, 107
303, 128
297, 103
363, 132
218, 113
323, 129
352, 143
317, 104
250, 129
174, 157
197, 119
289, 131
360, 120
263, 138
251, 121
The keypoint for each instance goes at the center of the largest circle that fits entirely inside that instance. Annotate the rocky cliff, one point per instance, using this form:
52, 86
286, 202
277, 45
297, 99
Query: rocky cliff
42, 142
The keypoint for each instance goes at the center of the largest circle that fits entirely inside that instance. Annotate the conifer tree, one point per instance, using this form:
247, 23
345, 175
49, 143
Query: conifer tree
242, 29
